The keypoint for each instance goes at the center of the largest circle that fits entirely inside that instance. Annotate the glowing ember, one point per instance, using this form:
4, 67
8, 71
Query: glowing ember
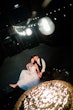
48, 97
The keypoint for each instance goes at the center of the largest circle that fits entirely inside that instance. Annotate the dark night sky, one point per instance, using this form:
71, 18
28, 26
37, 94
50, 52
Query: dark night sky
60, 11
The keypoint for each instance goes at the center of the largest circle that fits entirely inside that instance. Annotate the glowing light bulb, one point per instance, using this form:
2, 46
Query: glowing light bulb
46, 26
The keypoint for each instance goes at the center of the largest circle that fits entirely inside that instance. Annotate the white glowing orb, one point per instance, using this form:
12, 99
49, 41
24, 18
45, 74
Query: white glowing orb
16, 6
21, 33
20, 30
46, 26
28, 31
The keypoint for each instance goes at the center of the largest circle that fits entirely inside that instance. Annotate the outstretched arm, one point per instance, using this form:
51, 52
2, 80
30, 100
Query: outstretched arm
38, 71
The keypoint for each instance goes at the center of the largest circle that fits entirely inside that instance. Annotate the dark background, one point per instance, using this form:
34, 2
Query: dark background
16, 51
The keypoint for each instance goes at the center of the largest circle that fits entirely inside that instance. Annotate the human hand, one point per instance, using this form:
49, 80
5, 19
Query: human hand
39, 74
27, 66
